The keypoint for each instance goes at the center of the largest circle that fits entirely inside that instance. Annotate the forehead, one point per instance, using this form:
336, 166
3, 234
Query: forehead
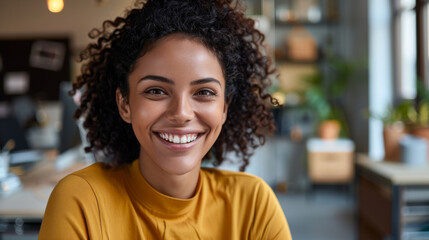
170, 37
179, 56
173, 41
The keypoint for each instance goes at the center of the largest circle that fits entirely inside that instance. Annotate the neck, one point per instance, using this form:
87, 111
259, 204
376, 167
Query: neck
178, 186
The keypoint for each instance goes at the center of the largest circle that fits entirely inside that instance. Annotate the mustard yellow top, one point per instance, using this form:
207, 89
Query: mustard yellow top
99, 202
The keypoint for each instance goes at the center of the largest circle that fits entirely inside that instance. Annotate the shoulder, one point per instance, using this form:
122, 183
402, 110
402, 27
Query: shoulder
235, 182
95, 169
94, 178
99, 172
74, 205
83, 191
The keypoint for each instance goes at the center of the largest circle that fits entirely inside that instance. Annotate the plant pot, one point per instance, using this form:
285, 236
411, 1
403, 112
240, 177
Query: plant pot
392, 135
329, 129
421, 132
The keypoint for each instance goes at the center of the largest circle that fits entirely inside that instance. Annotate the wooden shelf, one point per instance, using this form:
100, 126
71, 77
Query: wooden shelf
322, 23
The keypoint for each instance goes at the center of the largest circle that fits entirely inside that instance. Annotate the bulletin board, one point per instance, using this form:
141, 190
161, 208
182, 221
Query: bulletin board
33, 67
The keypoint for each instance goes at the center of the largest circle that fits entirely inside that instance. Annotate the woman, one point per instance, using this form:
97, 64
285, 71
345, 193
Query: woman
173, 83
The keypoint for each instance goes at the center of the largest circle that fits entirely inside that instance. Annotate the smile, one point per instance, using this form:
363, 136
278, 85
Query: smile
178, 139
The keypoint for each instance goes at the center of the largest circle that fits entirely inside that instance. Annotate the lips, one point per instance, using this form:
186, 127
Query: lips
178, 138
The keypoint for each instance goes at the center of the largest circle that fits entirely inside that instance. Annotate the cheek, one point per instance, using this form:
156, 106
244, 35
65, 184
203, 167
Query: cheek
144, 113
212, 115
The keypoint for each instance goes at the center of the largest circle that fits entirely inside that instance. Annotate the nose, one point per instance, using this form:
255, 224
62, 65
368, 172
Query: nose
180, 110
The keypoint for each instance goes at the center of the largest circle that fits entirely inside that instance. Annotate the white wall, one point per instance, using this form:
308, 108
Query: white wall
27, 18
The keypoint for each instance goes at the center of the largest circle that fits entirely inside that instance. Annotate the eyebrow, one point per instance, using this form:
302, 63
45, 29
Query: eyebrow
205, 80
169, 81
156, 78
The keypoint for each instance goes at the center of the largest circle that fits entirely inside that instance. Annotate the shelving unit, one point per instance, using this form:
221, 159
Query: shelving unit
415, 213
296, 122
393, 200
319, 17
304, 31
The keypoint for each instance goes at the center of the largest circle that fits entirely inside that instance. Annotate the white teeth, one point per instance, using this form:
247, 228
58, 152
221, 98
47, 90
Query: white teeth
178, 139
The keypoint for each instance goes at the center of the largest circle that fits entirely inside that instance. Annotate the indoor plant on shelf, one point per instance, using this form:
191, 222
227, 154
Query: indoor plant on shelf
417, 118
394, 128
325, 92
409, 117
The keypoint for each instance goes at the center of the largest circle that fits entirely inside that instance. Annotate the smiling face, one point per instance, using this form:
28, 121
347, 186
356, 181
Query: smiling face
176, 105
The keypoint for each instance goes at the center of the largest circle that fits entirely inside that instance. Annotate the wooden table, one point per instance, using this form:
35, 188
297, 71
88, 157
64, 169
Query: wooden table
28, 205
385, 192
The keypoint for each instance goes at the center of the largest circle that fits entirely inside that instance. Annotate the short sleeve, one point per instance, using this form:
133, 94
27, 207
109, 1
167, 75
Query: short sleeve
72, 211
270, 221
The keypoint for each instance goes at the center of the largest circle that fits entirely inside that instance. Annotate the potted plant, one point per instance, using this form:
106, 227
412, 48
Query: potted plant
417, 119
408, 117
329, 116
394, 129
326, 88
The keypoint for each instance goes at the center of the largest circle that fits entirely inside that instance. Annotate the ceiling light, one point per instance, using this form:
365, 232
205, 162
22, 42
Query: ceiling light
55, 6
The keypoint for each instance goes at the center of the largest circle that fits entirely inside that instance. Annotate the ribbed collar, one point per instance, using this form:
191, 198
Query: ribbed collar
159, 204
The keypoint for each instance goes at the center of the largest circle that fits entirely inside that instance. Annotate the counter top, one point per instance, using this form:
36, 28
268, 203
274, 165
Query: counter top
396, 173
30, 202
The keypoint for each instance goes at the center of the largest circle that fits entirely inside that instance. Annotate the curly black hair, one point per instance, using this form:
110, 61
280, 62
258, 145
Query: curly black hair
218, 24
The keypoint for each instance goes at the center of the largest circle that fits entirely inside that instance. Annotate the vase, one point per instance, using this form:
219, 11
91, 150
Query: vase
392, 135
421, 132
329, 129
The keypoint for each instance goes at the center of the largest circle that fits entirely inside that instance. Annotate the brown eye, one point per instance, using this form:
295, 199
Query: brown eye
206, 93
155, 91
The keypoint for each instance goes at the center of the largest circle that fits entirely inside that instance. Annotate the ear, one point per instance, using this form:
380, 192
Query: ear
123, 106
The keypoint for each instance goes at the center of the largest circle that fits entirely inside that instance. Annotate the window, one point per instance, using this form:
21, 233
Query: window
405, 52
423, 41
411, 46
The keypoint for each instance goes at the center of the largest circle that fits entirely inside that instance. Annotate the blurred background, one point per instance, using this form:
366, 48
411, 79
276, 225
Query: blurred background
349, 158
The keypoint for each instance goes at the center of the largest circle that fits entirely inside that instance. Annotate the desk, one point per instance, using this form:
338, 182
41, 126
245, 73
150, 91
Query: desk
387, 193
29, 204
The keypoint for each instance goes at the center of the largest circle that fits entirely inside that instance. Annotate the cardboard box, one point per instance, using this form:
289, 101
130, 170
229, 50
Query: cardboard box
330, 161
